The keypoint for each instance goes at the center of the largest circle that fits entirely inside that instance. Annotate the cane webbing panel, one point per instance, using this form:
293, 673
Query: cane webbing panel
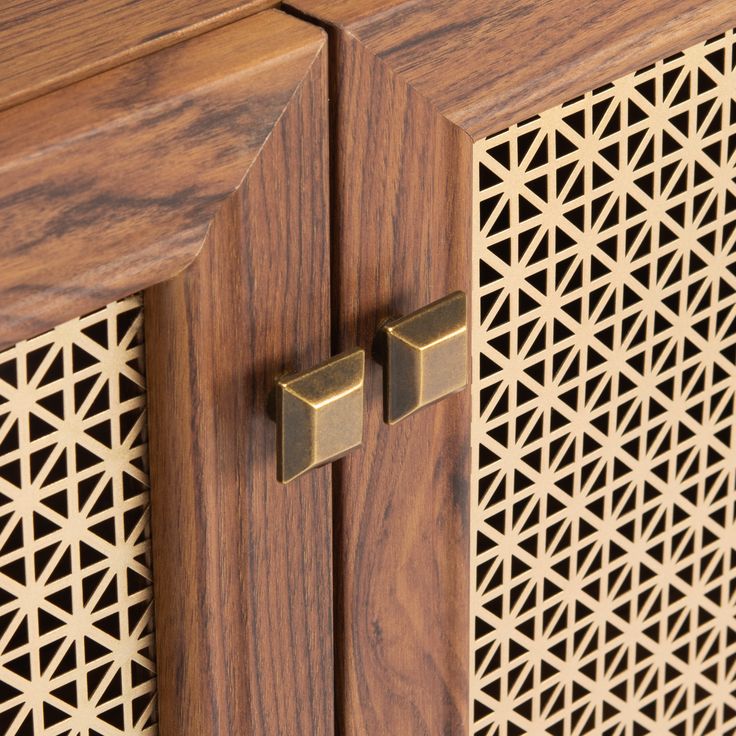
604, 437
76, 633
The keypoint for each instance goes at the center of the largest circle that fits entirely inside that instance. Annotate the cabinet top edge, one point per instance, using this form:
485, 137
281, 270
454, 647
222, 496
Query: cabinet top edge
49, 44
490, 63
110, 185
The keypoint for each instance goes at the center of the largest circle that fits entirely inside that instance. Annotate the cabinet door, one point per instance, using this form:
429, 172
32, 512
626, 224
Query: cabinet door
552, 552
197, 177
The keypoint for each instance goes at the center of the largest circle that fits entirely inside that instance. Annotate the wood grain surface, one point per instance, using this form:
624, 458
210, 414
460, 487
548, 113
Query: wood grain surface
47, 44
414, 84
242, 564
402, 183
109, 185
489, 63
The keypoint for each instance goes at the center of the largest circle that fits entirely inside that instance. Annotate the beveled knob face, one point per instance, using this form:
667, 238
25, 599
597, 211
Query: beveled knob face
425, 356
319, 414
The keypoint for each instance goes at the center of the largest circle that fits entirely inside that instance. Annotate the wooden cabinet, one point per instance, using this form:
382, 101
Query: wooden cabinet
520, 579
199, 175
549, 551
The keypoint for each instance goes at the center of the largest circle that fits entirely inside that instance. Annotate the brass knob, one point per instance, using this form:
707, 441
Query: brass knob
424, 356
319, 414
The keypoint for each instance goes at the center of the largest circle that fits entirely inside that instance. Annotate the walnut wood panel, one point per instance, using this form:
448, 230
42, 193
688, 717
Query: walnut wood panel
109, 185
414, 84
242, 571
485, 65
47, 44
402, 233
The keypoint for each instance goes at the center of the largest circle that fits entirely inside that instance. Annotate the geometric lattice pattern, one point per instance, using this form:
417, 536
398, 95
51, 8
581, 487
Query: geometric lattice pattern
604, 437
76, 621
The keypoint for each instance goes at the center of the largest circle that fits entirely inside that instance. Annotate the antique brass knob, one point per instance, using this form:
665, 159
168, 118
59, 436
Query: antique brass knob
319, 414
424, 356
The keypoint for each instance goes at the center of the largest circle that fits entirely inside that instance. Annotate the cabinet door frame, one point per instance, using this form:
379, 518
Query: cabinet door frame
413, 86
198, 174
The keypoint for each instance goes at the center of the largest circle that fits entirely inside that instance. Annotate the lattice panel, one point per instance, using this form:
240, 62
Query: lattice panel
604, 510
76, 623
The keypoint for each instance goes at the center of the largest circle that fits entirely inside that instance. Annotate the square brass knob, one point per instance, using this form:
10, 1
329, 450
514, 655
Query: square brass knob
425, 356
319, 414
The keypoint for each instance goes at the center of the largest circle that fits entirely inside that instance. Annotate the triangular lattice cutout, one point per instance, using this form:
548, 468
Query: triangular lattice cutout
604, 515
76, 636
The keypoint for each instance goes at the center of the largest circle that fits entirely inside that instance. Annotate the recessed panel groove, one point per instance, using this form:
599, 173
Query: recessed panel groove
604, 430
